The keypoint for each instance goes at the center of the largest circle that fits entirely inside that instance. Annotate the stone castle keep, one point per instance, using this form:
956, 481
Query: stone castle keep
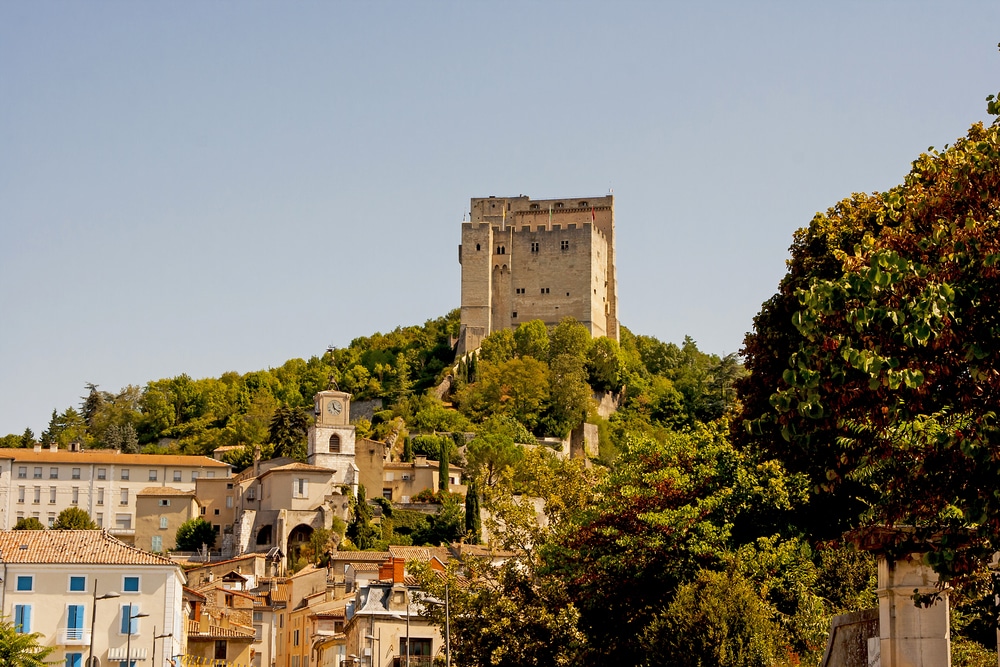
543, 260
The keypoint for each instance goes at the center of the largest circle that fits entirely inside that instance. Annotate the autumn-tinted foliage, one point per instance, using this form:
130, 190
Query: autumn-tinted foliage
874, 368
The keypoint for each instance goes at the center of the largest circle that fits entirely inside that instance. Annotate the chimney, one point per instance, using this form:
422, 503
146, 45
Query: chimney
420, 461
54, 447
38, 447
393, 570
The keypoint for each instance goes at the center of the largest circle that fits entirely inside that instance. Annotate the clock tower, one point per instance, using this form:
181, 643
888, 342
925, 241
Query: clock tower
331, 438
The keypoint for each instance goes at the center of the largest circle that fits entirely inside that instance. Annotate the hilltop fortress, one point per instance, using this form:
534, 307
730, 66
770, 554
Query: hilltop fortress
543, 260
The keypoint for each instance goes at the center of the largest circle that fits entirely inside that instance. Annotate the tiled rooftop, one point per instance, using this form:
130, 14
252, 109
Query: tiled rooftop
72, 546
164, 491
109, 456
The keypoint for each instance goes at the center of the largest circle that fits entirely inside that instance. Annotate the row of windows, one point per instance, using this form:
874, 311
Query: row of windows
36, 497
77, 583
74, 620
122, 521
102, 473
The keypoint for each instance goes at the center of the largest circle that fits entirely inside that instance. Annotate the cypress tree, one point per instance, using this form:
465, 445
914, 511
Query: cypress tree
473, 522
443, 466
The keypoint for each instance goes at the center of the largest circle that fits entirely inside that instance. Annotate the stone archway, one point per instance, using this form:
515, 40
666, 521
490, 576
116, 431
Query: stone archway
298, 538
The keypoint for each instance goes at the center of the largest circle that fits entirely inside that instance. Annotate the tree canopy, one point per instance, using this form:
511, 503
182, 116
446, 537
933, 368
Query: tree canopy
874, 367
193, 534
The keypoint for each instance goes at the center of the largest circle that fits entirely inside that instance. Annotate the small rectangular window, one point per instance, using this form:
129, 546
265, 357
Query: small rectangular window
177, 475
77, 584
564, 245
52, 519
194, 475
74, 660
124, 497
20, 494
216, 511
229, 502
130, 584
38, 495
100, 520
25, 583
53, 473
124, 474
203, 510
75, 473
52, 495
152, 475
534, 246
102, 473
22, 472
37, 474
75, 496
163, 523
156, 543
100, 496
164, 502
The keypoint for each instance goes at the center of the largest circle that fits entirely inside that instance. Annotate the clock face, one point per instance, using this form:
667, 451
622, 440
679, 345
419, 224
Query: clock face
334, 407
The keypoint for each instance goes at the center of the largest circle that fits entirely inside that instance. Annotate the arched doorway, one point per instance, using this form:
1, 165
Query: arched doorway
298, 538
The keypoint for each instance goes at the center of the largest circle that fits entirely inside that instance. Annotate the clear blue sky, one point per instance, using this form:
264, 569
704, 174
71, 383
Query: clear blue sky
197, 187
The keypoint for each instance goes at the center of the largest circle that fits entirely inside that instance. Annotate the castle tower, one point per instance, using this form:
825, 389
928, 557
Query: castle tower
331, 438
545, 259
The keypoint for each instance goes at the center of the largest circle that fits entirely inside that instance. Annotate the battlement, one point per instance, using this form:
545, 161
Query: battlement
537, 228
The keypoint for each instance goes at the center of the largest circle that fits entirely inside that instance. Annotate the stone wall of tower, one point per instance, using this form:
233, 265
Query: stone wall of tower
544, 259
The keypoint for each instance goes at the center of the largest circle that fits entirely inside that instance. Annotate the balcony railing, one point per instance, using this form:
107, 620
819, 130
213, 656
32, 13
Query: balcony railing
74, 636
415, 661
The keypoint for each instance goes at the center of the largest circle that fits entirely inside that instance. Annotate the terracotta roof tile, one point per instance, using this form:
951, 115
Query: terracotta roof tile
110, 456
217, 632
298, 467
72, 546
360, 556
410, 553
164, 491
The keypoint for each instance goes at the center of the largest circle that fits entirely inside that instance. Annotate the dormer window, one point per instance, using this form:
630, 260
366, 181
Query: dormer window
583, 204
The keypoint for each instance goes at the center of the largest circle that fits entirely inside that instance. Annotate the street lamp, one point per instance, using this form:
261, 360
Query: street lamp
373, 639
152, 661
93, 619
128, 642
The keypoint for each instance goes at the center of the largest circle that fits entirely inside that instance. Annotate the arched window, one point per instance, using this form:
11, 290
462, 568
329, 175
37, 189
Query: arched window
264, 535
477, 247
335, 444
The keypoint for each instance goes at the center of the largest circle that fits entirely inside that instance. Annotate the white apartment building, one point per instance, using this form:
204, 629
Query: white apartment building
53, 580
41, 483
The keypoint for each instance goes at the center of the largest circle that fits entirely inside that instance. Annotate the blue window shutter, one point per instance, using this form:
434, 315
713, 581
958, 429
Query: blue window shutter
22, 618
76, 616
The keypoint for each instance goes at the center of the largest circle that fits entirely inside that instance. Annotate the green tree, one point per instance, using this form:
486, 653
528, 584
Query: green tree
28, 438
569, 395
498, 347
605, 365
194, 533
28, 523
872, 367
444, 467
19, 649
473, 520
531, 339
518, 388
489, 455
719, 620
571, 338
445, 526
74, 518
288, 432
361, 532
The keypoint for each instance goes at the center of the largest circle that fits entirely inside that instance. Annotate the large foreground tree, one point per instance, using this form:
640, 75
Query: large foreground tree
875, 369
